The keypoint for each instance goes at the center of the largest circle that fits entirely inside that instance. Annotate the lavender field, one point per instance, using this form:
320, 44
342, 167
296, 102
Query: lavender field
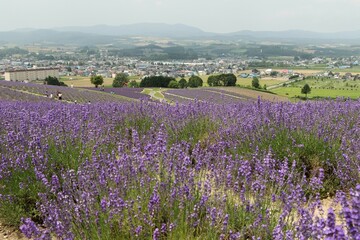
134, 93
219, 95
246, 170
14, 95
37, 92
202, 94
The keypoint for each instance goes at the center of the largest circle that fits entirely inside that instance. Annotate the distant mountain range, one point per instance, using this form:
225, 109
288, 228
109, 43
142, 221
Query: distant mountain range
141, 29
298, 34
105, 34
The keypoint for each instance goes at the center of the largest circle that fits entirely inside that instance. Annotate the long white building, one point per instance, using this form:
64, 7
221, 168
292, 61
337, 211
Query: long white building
31, 74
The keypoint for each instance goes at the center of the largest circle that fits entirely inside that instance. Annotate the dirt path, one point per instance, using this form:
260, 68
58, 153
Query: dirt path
9, 233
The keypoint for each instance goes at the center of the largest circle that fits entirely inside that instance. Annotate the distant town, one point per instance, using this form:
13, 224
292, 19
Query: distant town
69, 64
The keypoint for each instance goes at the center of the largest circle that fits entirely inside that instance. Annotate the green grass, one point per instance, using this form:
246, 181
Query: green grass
332, 88
72, 78
268, 82
159, 95
155, 93
79, 81
296, 91
147, 91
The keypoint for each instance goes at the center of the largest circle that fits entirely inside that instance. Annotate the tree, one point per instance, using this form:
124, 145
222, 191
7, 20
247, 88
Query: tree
195, 81
173, 84
212, 81
133, 84
222, 80
120, 80
183, 83
228, 79
306, 89
53, 81
274, 73
156, 81
255, 83
97, 80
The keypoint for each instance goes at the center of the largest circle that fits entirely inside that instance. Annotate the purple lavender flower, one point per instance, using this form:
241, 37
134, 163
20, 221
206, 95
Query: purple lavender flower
29, 228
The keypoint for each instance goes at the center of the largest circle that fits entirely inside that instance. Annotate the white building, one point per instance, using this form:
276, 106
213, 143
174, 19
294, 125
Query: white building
31, 74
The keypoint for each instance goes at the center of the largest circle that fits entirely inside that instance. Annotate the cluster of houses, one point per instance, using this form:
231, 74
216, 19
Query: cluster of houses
337, 75
108, 66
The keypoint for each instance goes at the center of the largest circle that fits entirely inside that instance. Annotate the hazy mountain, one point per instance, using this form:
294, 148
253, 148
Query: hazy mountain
104, 34
142, 29
55, 37
184, 31
297, 34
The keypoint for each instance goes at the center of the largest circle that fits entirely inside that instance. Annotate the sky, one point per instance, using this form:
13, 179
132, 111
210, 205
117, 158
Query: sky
220, 16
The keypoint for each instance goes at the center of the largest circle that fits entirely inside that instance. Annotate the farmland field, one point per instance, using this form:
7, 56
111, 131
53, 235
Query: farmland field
77, 81
262, 81
322, 88
144, 170
133, 93
332, 93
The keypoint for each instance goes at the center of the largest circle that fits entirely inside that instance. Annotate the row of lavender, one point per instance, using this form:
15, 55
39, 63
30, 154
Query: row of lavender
203, 95
224, 95
14, 95
134, 93
196, 171
68, 94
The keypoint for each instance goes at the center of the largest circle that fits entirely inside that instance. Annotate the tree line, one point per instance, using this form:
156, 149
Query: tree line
222, 80
121, 80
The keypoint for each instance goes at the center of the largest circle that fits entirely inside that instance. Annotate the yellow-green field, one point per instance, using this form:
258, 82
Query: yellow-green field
262, 81
78, 81
311, 70
296, 91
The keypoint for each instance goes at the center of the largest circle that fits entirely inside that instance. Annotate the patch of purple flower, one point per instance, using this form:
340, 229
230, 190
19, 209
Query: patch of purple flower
196, 171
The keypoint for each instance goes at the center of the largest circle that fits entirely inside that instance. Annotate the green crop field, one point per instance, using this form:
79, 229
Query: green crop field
268, 82
296, 91
322, 88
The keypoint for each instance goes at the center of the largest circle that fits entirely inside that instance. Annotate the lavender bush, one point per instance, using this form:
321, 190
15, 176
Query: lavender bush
197, 171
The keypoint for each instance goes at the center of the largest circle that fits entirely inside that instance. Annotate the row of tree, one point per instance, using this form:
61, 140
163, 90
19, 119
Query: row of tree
170, 82
222, 80
194, 81
120, 80
156, 81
